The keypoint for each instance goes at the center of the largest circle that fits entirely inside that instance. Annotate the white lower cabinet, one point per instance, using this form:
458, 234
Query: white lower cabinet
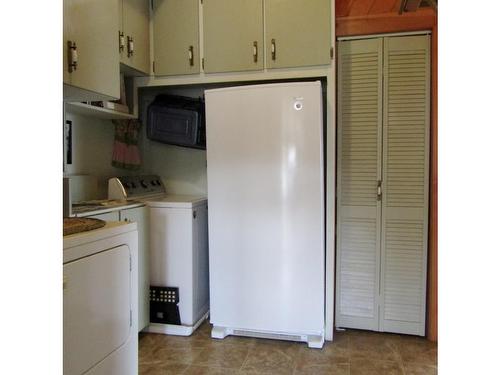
140, 216
179, 257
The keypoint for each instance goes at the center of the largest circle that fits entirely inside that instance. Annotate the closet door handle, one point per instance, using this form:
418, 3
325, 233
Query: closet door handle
379, 190
72, 56
255, 52
130, 46
273, 49
191, 55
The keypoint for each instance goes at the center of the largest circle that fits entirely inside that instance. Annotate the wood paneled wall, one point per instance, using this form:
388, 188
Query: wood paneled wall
365, 17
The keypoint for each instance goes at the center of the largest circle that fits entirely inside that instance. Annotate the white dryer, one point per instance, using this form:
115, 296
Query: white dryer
100, 301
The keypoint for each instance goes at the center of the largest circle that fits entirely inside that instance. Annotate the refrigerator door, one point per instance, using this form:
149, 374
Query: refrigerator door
266, 207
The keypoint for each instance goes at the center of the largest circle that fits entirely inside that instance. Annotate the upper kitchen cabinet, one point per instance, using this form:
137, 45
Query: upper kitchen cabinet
297, 33
233, 35
176, 37
91, 58
134, 36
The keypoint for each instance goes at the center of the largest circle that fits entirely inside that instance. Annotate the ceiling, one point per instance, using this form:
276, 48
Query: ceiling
353, 8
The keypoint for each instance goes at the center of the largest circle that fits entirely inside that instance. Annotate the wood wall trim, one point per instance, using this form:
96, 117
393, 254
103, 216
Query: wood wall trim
423, 19
432, 277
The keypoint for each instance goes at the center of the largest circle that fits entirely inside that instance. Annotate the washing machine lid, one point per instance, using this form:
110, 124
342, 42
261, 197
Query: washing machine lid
177, 201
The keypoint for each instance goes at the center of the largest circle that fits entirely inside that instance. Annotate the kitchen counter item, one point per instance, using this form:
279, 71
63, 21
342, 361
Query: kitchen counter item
72, 225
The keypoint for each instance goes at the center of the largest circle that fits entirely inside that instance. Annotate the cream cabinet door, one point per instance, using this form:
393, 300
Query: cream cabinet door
297, 33
66, 37
176, 37
233, 35
135, 28
94, 32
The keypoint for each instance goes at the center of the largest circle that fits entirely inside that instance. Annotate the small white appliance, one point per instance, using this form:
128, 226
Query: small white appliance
100, 301
266, 218
178, 248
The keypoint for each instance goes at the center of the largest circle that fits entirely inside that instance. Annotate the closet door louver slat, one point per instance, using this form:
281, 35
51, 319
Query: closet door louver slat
359, 155
405, 184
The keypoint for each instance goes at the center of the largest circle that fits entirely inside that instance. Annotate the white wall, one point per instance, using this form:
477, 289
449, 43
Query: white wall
183, 170
92, 150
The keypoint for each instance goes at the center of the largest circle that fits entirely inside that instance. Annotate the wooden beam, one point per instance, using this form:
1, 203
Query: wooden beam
396, 6
412, 5
423, 19
342, 7
383, 6
360, 7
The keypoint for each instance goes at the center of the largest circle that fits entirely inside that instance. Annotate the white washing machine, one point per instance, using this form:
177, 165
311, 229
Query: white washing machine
178, 251
100, 301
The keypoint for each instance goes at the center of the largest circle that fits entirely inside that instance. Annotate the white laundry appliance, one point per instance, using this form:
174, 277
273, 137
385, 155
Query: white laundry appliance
266, 217
100, 301
178, 253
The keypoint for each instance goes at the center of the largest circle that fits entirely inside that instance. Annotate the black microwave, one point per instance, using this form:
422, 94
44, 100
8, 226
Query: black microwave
177, 120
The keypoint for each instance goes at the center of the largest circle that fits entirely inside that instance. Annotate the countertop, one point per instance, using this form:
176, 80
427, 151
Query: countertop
92, 208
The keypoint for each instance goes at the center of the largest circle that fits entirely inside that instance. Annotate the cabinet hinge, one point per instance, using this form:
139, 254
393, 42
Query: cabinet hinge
203, 63
331, 53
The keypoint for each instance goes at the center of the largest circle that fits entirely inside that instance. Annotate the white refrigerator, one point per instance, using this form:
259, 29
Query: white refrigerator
266, 211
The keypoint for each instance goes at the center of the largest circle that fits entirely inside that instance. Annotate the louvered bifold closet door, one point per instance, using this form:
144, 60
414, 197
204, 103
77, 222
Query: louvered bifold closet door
359, 162
405, 184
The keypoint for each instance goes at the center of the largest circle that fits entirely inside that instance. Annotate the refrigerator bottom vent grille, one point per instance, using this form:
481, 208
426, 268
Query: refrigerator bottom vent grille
263, 335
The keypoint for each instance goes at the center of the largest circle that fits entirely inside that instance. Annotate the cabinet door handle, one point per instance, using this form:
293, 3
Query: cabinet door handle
255, 52
72, 56
273, 49
121, 41
130, 46
191, 55
379, 190
194, 214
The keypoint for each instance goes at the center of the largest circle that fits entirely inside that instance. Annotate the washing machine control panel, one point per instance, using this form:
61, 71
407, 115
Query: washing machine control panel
130, 187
